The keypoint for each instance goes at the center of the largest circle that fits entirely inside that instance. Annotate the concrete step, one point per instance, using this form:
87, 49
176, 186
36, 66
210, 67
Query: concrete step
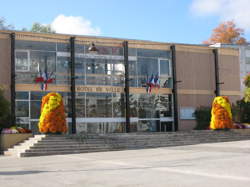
64, 149
68, 147
28, 154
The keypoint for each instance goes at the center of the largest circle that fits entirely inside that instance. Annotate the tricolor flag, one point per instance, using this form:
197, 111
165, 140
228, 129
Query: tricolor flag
150, 84
44, 78
156, 81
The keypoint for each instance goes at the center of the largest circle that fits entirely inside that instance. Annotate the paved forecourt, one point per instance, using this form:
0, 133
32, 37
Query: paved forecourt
219, 164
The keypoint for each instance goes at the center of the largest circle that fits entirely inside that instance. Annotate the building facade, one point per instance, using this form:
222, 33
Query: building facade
126, 85
244, 59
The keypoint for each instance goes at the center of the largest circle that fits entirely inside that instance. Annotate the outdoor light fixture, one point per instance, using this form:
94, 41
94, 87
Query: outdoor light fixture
93, 48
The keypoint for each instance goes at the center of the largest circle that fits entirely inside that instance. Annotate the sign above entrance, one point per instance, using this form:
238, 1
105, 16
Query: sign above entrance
100, 89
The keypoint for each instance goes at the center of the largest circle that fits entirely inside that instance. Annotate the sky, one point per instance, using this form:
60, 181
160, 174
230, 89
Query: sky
178, 21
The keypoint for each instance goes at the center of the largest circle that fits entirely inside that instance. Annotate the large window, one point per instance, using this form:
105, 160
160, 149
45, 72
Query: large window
28, 107
98, 105
43, 61
147, 67
22, 104
22, 60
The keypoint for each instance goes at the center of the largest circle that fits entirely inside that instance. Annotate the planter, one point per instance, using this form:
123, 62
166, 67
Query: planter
9, 140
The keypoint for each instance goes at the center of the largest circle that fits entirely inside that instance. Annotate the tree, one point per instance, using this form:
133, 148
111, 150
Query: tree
37, 27
227, 33
4, 111
4, 26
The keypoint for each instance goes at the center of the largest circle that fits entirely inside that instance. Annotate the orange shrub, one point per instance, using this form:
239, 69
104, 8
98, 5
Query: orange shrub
52, 118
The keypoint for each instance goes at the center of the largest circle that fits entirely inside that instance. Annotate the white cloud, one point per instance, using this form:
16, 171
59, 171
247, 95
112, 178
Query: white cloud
74, 25
237, 10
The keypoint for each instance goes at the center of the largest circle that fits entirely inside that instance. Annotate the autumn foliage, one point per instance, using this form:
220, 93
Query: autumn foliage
52, 119
227, 33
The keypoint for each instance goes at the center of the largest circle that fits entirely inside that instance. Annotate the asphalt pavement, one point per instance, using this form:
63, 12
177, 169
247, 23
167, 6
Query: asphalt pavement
205, 165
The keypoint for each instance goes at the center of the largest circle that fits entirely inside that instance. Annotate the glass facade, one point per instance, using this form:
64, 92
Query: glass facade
100, 82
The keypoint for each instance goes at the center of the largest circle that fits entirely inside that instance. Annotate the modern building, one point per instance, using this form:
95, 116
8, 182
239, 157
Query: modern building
114, 85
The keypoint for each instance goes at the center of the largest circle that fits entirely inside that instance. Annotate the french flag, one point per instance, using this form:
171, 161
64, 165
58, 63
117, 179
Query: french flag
44, 78
156, 81
150, 84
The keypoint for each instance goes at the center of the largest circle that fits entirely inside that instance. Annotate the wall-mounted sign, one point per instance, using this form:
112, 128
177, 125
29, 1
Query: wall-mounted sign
100, 89
187, 113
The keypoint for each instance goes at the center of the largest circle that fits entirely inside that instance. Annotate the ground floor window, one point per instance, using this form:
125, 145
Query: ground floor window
102, 112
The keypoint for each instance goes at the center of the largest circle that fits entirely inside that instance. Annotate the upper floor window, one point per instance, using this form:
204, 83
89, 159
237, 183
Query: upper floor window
247, 60
22, 62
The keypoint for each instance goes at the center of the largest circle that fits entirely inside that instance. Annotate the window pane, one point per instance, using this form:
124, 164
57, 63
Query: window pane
22, 109
153, 53
132, 74
39, 61
164, 68
35, 109
103, 50
81, 127
147, 106
21, 62
105, 127
146, 67
247, 60
62, 70
118, 105
164, 105
79, 48
22, 95
34, 127
133, 104
35, 45
148, 125
63, 47
25, 77
98, 105
80, 104
80, 71
38, 95
131, 51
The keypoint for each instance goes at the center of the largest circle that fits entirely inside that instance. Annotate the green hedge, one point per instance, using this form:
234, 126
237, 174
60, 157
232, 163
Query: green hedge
241, 111
4, 111
203, 117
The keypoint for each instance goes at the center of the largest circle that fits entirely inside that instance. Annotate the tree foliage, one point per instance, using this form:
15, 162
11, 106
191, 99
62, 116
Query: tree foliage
4, 111
227, 33
4, 25
38, 27
203, 117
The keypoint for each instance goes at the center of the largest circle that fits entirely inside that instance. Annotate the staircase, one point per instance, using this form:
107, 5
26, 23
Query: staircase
22, 147
41, 145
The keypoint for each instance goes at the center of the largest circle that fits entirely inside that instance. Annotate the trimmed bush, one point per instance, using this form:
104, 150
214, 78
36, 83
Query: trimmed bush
241, 111
203, 117
4, 111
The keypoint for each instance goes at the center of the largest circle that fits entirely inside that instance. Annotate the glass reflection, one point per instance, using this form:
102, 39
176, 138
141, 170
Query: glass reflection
98, 105
22, 109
